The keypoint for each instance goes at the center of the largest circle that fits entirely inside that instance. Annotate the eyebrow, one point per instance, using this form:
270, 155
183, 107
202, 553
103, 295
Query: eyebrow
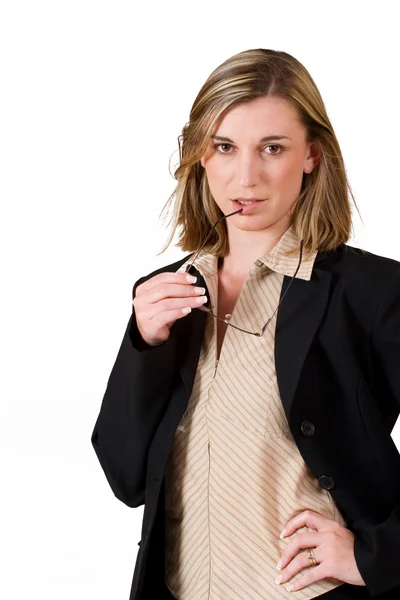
268, 138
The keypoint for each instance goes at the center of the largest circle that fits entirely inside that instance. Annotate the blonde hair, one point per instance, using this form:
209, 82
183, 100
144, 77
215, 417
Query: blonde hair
321, 215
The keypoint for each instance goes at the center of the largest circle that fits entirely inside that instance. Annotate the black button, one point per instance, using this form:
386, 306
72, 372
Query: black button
307, 428
326, 482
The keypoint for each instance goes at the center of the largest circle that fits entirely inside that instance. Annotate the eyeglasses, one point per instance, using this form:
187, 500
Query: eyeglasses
228, 317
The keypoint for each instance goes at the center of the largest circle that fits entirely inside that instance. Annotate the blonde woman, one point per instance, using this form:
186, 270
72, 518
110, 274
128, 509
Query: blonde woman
252, 400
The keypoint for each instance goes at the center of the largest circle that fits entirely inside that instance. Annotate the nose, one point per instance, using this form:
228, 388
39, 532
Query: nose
247, 170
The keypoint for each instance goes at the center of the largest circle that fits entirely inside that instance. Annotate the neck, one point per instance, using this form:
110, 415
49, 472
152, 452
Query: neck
246, 246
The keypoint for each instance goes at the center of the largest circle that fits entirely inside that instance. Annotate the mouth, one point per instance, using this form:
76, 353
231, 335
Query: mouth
246, 205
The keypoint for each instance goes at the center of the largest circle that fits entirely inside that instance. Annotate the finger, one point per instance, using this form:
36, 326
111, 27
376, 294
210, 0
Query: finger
308, 518
300, 562
311, 576
171, 290
160, 314
166, 277
300, 541
167, 318
172, 304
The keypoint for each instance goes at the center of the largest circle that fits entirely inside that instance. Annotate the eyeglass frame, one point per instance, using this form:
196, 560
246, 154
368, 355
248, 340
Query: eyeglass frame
226, 320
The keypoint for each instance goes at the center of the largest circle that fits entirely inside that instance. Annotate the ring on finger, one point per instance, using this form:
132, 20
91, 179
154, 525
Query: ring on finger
311, 556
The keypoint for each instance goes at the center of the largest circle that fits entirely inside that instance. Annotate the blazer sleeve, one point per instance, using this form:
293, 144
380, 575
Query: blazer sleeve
136, 397
377, 547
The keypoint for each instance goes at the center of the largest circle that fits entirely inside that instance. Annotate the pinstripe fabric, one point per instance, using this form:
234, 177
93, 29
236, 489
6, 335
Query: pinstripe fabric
234, 475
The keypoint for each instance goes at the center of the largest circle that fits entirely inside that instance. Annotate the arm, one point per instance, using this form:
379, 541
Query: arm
137, 394
377, 545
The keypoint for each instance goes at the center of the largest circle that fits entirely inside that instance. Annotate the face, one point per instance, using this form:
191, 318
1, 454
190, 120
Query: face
240, 164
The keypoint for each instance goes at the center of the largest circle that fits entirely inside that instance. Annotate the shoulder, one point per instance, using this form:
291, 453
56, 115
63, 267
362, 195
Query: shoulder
361, 282
172, 268
358, 265
360, 279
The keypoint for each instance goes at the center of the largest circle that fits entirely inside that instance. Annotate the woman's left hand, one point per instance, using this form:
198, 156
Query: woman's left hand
333, 548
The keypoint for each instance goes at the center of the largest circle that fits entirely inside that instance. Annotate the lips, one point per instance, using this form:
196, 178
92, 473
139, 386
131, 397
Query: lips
247, 207
249, 199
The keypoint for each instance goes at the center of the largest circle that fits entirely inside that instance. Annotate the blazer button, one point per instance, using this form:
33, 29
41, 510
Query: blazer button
307, 428
326, 482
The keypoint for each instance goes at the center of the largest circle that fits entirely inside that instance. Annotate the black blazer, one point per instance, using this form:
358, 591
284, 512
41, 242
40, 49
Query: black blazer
337, 352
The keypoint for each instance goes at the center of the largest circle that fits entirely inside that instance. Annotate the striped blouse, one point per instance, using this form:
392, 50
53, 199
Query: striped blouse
234, 475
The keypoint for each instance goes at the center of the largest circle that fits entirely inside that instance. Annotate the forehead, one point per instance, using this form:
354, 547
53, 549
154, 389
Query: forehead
266, 115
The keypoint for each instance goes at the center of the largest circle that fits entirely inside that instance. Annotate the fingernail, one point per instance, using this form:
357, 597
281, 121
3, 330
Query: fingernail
201, 300
199, 290
191, 279
186, 311
278, 579
279, 565
290, 587
282, 534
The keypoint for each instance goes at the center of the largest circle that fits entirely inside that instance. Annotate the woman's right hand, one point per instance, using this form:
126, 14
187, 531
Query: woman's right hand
163, 299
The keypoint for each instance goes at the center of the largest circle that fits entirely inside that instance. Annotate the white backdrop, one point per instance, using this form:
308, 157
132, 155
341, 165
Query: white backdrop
94, 95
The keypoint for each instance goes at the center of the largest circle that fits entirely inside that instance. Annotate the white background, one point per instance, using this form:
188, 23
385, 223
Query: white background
93, 97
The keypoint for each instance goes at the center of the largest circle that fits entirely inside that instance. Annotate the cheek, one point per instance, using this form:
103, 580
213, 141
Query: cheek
287, 176
215, 175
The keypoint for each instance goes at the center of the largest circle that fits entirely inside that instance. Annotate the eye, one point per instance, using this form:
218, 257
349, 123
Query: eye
218, 145
274, 146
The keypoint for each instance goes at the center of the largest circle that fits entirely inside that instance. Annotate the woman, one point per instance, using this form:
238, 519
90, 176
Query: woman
251, 402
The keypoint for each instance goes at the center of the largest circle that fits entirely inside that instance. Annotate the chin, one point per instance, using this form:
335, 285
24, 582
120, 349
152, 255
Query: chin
243, 223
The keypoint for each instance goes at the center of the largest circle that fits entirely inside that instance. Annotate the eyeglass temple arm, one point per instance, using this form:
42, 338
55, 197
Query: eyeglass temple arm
227, 321
189, 266
287, 289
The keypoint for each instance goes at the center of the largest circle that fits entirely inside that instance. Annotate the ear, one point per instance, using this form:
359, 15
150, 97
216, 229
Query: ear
202, 161
313, 157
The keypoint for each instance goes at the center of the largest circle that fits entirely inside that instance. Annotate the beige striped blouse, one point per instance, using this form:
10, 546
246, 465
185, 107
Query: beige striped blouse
234, 475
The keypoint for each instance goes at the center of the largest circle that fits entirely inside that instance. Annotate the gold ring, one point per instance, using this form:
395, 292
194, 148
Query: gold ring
311, 556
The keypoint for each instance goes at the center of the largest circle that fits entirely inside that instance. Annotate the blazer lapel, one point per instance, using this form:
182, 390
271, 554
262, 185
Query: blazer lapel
298, 318
191, 332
